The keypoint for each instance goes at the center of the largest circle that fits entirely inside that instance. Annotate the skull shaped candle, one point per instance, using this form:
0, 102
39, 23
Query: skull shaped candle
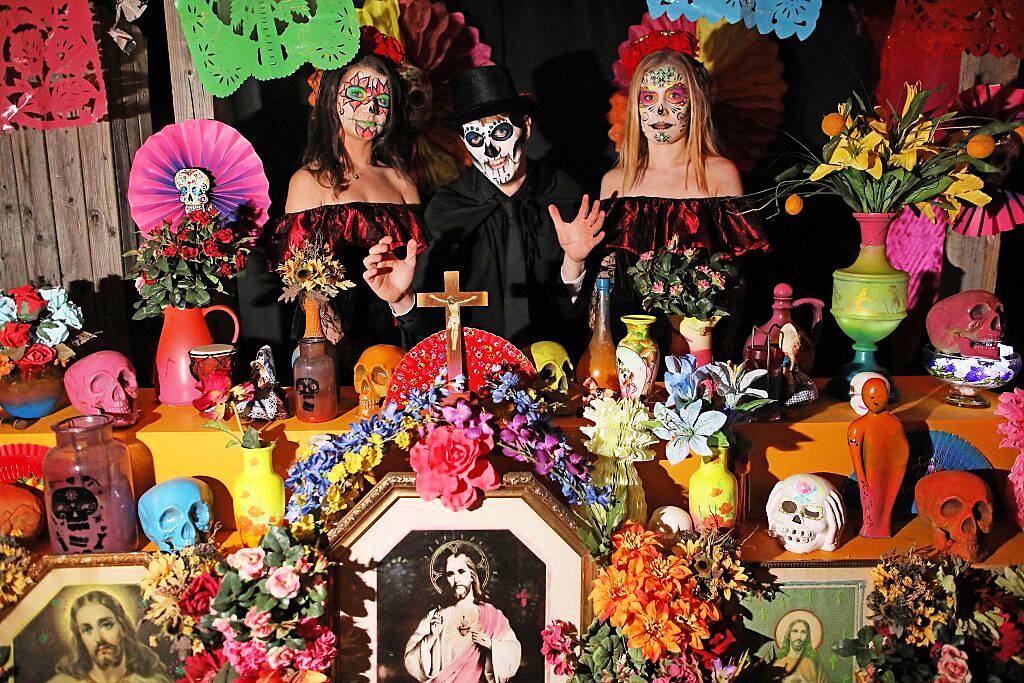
194, 185
104, 383
959, 506
88, 483
806, 513
373, 374
553, 364
176, 512
968, 323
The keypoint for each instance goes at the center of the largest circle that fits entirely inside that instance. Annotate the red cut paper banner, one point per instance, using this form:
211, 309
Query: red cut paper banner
51, 65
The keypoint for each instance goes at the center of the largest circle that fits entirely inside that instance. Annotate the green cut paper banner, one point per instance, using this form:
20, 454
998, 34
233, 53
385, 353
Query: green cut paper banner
266, 38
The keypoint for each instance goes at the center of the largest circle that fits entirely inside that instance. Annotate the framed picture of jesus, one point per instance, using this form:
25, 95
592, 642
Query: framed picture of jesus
423, 593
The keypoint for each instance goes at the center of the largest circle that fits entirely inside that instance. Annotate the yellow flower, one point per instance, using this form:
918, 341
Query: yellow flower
916, 141
402, 440
339, 472
304, 527
858, 153
912, 90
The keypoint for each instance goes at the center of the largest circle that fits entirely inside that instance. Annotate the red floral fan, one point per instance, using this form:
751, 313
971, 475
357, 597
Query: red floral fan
238, 182
746, 78
484, 351
20, 460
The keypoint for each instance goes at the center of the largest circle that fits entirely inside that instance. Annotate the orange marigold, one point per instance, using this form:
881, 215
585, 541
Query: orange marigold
615, 596
665, 576
635, 542
691, 617
653, 632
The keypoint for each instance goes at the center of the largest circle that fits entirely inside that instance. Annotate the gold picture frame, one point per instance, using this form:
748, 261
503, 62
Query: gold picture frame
397, 556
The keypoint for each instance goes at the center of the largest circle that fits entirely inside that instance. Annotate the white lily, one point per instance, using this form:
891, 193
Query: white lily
687, 430
733, 382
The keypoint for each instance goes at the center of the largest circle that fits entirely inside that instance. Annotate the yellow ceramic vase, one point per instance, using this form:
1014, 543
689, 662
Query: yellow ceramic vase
258, 495
713, 492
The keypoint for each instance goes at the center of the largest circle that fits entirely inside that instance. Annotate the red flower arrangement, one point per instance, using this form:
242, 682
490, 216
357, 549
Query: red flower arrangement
649, 43
38, 327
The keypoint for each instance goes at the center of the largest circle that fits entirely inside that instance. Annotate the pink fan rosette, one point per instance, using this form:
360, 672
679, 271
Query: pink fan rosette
238, 184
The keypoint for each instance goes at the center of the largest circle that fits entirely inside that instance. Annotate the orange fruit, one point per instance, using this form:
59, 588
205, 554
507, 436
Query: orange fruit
981, 146
1019, 130
833, 124
794, 204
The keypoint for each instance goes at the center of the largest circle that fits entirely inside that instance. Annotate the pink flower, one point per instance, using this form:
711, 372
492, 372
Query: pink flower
559, 647
223, 625
303, 566
248, 562
450, 465
647, 256
259, 623
952, 666
280, 658
318, 655
247, 657
283, 583
675, 290
658, 288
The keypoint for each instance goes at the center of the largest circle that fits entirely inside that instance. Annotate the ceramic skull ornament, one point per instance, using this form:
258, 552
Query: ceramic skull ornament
373, 373
496, 144
194, 185
671, 522
857, 387
959, 506
969, 323
805, 512
174, 513
553, 364
104, 383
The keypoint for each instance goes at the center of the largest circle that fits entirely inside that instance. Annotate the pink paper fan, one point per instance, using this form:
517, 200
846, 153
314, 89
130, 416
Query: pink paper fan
993, 101
1004, 212
19, 460
239, 184
484, 351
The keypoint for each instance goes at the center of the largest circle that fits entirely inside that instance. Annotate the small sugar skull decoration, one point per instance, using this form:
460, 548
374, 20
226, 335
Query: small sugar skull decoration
104, 383
373, 373
969, 323
553, 365
805, 512
959, 506
857, 387
176, 514
194, 185
671, 522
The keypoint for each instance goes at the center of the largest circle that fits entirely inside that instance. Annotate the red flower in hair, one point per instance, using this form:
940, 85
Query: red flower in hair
372, 41
680, 41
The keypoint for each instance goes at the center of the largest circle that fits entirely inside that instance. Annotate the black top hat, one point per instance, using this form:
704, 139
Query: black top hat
485, 91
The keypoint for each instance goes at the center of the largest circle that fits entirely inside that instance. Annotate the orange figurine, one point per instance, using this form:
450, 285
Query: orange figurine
879, 450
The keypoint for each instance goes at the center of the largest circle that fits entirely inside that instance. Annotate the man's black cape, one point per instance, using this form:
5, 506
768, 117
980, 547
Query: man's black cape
508, 247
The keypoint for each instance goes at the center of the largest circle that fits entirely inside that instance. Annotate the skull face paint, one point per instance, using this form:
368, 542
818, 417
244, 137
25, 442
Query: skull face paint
664, 105
364, 102
496, 145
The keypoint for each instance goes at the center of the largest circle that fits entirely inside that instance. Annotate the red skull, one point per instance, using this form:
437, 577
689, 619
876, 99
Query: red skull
959, 506
968, 323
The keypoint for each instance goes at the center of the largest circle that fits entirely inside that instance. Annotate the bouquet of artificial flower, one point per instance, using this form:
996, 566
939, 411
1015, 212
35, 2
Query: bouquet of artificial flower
688, 283
182, 265
38, 329
309, 270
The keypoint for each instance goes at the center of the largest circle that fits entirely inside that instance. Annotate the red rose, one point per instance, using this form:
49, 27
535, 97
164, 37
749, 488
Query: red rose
210, 248
147, 280
170, 250
37, 355
199, 217
204, 667
450, 465
225, 235
182, 235
188, 253
14, 335
27, 301
226, 270
240, 261
195, 601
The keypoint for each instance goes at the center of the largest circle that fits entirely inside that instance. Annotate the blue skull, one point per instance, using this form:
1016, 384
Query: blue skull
175, 511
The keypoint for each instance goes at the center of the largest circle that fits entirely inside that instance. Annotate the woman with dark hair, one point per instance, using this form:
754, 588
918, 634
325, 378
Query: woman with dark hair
354, 188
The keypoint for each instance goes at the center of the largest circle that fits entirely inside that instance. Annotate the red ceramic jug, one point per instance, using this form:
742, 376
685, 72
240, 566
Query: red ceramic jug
783, 308
184, 329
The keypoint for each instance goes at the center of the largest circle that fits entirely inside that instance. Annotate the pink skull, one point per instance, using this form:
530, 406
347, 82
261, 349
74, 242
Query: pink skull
103, 383
968, 323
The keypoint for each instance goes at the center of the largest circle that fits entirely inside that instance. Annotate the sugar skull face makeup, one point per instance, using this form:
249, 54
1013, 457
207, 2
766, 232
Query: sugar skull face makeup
364, 102
496, 145
664, 105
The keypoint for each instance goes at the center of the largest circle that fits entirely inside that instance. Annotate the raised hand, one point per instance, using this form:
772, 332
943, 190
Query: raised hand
579, 237
390, 277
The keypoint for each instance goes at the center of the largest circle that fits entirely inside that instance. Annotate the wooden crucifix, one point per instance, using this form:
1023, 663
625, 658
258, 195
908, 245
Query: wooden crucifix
452, 300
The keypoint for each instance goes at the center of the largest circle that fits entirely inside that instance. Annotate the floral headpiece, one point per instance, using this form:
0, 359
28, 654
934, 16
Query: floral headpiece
649, 43
371, 42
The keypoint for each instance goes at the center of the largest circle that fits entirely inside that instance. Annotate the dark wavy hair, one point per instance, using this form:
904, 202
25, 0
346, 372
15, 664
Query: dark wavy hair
325, 154
139, 658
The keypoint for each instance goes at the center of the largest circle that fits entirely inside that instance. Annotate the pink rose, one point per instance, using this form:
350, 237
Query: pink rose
259, 623
223, 626
318, 655
450, 465
647, 256
247, 657
953, 665
280, 658
283, 583
658, 287
248, 562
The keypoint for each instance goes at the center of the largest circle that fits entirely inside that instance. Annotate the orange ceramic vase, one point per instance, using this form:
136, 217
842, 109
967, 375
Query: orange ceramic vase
184, 329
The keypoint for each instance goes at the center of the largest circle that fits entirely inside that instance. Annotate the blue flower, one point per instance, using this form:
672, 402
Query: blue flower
51, 332
8, 310
61, 308
682, 379
975, 374
503, 386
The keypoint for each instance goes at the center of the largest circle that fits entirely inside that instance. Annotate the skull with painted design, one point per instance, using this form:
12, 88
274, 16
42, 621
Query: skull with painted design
969, 323
553, 365
373, 373
176, 513
959, 506
194, 185
806, 513
104, 383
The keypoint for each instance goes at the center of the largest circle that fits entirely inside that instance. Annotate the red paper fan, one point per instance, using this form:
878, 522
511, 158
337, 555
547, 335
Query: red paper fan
239, 184
484, 352
19, 460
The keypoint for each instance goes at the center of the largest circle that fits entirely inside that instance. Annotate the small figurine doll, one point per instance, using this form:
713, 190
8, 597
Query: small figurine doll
267, 401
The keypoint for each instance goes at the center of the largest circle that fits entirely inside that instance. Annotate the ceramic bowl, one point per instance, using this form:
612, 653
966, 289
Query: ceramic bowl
967, 374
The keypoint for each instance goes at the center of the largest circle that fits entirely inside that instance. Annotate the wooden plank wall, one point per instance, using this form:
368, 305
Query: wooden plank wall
64, 215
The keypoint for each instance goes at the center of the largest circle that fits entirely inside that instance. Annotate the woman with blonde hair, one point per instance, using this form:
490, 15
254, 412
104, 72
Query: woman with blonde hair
671, 184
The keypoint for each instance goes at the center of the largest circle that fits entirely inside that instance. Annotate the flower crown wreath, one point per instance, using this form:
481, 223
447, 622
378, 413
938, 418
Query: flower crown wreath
683, 42
371, 42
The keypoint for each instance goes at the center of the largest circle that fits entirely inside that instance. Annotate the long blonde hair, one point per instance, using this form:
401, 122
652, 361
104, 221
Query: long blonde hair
701, 141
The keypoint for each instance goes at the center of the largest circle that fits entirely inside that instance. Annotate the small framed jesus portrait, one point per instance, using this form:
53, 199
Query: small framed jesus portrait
82, 621
427, 594
817, 605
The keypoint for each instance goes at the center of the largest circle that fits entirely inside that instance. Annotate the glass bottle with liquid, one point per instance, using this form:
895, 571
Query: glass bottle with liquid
598, 361
316, 387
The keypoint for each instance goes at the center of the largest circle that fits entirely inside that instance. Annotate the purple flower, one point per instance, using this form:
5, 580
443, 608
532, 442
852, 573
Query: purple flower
975, 374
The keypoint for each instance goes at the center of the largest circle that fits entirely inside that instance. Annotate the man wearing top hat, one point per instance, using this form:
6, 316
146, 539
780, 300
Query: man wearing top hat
511, 226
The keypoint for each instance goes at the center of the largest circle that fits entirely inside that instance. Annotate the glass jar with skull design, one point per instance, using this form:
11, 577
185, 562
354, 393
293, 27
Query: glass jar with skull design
316, 387
90, 505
